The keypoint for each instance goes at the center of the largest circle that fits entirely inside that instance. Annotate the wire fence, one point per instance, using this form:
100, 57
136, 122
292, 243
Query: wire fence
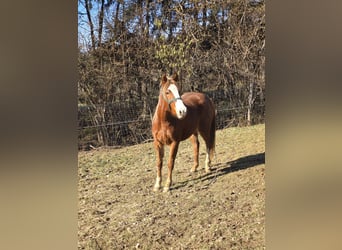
128, 123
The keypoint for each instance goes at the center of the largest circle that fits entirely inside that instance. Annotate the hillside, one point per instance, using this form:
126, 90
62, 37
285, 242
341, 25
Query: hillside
224, 209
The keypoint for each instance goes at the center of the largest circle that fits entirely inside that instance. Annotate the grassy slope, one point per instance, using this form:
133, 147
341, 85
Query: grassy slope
221, 210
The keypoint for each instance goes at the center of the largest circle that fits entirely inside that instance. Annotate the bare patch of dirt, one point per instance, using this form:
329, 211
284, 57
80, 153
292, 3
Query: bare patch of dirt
224, 209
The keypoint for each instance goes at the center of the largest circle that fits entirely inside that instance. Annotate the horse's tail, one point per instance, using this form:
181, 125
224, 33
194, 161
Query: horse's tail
212, 135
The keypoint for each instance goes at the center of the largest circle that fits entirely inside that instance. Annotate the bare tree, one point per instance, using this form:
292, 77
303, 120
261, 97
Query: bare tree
217, 46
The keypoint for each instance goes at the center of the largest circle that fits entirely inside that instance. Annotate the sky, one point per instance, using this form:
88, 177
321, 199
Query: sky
83, 29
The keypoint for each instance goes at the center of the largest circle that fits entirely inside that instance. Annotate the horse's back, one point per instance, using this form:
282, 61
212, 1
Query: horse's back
201, 109
199, 101
194, 98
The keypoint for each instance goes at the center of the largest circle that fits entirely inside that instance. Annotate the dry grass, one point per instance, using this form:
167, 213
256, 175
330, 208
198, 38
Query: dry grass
224, 209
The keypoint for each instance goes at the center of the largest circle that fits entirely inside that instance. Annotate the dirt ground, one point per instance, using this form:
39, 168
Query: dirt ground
225, 209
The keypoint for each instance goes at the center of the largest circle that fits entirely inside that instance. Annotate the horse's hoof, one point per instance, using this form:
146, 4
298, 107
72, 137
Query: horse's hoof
166, 189
192, 172
207, 170
156, 189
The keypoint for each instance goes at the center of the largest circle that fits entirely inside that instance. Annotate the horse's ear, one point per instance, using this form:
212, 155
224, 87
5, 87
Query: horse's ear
175, 77
164, 79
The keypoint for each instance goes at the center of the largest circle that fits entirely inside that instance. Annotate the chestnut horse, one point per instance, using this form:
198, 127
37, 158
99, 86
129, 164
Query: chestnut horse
178, 118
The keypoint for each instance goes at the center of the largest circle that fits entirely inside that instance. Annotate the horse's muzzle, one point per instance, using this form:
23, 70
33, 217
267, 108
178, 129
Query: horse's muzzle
181, 109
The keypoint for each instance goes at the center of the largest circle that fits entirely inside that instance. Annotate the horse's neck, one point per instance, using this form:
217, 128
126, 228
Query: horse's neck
162, 108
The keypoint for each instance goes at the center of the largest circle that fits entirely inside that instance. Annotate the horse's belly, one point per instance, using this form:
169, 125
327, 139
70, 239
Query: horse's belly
167, 135
186, 135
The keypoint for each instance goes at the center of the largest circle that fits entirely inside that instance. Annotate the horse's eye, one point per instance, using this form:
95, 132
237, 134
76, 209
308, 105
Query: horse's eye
167, 92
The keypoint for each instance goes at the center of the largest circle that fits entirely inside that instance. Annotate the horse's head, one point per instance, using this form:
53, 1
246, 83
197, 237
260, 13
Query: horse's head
169, 91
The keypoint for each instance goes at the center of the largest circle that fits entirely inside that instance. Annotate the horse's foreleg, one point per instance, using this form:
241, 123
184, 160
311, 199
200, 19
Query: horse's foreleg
160, 154
195, 145
171, 162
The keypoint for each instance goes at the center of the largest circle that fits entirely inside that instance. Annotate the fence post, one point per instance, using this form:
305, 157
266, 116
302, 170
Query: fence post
250, 102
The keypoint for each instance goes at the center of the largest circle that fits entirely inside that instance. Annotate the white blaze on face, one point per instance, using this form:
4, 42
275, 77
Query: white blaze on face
180, 107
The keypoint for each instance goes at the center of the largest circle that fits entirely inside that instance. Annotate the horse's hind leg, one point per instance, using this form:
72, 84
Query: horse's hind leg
209, 152
208, 133
207, 161
195, 145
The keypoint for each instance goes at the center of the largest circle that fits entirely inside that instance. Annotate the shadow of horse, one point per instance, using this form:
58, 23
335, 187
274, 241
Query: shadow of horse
220, 169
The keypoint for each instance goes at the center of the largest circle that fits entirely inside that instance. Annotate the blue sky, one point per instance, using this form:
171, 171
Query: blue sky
83, 27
